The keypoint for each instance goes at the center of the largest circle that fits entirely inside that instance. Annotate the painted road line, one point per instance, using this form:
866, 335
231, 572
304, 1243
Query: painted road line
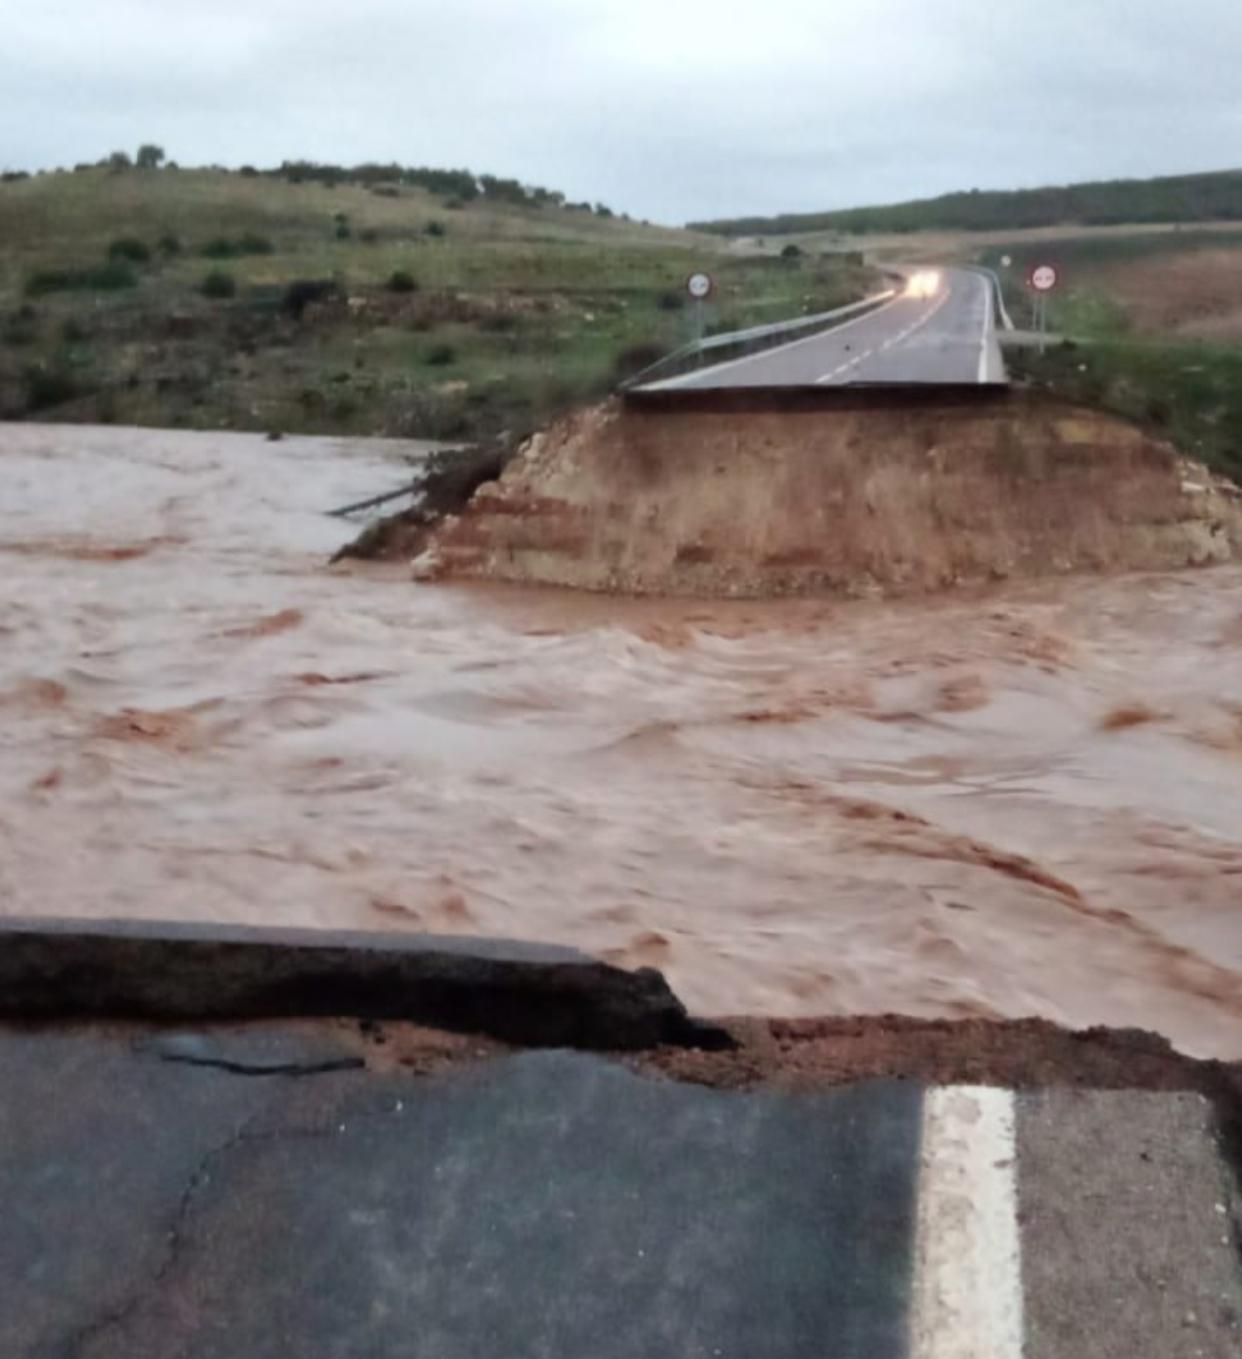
890, 343
967, 1294
987, 332
689, 379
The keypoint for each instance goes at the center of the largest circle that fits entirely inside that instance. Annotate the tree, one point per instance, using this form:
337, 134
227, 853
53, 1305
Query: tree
150, 156
219, 284
119, 162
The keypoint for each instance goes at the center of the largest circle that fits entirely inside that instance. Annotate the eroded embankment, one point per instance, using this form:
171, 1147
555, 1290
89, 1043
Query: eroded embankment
769, 496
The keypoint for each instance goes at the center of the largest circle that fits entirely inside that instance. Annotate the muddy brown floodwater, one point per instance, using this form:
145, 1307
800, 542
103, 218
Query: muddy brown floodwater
1020, 802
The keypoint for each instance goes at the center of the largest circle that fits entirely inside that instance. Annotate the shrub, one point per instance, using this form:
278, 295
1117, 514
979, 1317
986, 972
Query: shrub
169, 245
110, 277
224, 248
14, 176
22, 327
343, 231
254, 244
791, 252
73, 331
369, 236
219, 283
440, 356
48, 386
1158, 410
401, 281
671, 301
435, 229
385, 191
129, 248
248, 171
636, 358
303, 291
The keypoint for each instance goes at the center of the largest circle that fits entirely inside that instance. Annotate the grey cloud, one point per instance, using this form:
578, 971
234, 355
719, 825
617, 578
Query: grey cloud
668, 108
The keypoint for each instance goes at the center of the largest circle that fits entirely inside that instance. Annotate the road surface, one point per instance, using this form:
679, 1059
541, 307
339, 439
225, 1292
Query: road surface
288, 1192
939, 330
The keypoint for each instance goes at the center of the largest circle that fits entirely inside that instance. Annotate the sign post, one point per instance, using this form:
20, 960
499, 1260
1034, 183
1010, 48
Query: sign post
700, 286
1042, 280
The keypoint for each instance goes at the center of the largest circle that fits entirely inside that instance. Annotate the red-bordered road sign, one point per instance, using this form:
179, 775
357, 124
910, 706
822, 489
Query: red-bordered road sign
1043, 278
700, 286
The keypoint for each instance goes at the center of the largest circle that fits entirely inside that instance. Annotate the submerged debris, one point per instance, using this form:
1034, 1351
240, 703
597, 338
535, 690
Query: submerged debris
446, 482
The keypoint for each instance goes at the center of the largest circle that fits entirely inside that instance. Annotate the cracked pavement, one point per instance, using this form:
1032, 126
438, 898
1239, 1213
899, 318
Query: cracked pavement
309, 1189
538, 1203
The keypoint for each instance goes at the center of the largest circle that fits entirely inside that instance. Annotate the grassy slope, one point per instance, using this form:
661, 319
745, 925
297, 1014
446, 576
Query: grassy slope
1186, 390
519, 311
1179, 198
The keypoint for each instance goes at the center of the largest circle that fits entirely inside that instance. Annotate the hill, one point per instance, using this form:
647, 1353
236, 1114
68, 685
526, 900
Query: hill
367, 301
1180, 198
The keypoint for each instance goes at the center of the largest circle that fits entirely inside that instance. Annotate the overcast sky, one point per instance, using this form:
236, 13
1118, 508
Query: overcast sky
669, 109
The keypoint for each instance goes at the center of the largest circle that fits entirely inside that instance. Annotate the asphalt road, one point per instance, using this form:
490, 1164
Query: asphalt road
259, 1191
945, 334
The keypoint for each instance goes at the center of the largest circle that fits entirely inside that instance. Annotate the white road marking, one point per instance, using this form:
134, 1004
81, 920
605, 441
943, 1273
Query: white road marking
987, 332
892, 340
689, 379
967, 1300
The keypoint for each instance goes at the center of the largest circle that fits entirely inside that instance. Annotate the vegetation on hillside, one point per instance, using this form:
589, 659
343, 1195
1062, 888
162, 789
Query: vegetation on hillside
1184, 390
1180, 198
1188, 393
304, 301
1080, 257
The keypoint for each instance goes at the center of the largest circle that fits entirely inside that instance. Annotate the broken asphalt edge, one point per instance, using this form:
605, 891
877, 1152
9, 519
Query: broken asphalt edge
532, 995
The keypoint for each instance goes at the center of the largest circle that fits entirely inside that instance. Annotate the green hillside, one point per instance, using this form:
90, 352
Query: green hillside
374, 300
1181, 198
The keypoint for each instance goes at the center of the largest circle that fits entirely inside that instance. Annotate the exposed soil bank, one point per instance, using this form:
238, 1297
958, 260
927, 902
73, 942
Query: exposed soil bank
1021, 1054
798, 493
787, 1054
783, 1053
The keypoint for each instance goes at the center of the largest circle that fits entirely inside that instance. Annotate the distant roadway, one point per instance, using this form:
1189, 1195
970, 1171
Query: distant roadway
940, 328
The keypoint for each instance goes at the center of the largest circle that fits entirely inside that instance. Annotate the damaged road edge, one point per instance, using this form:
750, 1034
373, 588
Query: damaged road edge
527, 994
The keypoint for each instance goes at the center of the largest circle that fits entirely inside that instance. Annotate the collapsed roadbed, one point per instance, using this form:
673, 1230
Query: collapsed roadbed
838, 491
145, 977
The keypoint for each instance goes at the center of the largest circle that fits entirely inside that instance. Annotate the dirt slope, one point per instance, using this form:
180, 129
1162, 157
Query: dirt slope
856, 499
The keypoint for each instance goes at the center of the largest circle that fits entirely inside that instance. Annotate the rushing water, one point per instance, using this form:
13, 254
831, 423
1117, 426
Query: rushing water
1026, 801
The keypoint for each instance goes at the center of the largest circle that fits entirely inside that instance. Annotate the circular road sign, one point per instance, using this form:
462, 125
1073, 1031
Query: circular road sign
1043, 278
700, 286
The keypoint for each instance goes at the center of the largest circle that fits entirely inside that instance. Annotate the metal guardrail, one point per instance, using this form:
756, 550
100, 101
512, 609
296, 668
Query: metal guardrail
1001, 310
779, 331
